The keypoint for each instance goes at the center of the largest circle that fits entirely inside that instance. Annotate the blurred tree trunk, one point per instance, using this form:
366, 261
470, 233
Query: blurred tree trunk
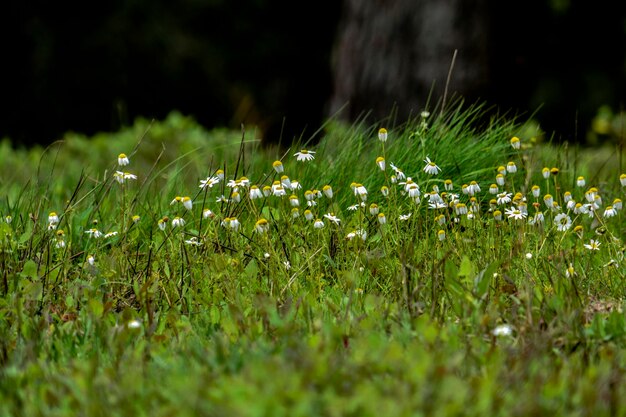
393, 53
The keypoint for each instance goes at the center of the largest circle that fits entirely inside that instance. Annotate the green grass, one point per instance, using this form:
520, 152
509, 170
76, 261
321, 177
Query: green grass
206, 319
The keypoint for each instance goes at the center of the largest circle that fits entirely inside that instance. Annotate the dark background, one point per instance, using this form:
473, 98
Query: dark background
95, 66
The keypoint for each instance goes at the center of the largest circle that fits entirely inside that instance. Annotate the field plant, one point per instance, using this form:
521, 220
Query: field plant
451, 265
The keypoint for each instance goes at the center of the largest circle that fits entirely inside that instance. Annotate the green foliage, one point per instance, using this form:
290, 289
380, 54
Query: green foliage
244, 309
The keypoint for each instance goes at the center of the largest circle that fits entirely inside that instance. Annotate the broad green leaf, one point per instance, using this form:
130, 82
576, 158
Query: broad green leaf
25, 237
5, 229
32, 290
456, 292
252, 269
29, 270
483, 279
96, 307
466, 269
270, 213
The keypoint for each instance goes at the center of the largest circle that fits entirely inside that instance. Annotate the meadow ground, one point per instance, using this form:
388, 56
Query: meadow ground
446, 266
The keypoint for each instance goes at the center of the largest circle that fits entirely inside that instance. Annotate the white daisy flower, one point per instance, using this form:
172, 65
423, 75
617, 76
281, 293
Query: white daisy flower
536, 191
380, 161
610, 212
304, 155
95, 233
163, 222
278, 167
502, 330
357, 233
571, 205
399, 173
53, 218
473, 188
504, 198
436, 206
255, 192
332, 218
286, 182
413, 190
460, 209
328, 191
562, 222
209, 182
511, 168
122, 160
359, 190
261, 226
538, 219
234, 184
515, 213
193, 241
580, 209
119, 177
431, 168
280, 192
567, 196
382, 134
548, 200
593, 245
515, 143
